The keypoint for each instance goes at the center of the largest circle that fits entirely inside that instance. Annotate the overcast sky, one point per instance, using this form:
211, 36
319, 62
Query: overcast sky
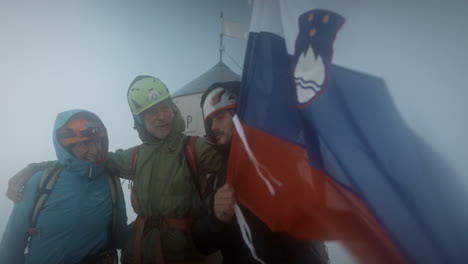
60, 55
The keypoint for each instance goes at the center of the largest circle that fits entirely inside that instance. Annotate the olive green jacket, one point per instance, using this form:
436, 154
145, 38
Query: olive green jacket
164, 186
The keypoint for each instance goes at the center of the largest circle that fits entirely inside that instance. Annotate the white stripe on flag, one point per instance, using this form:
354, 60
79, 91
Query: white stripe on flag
258, 166
235, 30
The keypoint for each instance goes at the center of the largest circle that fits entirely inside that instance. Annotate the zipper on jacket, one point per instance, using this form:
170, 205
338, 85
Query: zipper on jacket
90, 172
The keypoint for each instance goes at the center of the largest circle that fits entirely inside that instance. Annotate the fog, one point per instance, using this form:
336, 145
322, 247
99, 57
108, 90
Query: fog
60, 55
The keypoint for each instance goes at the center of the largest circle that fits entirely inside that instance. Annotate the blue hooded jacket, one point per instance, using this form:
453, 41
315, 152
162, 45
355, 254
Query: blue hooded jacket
76, 218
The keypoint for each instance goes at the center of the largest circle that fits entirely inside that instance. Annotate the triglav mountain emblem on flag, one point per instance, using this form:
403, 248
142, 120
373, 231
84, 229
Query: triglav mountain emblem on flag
309, 75
313, 52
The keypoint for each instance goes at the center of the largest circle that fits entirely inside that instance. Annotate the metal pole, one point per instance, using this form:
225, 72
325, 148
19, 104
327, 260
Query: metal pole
221, 49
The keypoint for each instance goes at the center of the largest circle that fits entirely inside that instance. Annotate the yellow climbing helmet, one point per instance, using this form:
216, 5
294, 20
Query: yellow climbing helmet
144, 92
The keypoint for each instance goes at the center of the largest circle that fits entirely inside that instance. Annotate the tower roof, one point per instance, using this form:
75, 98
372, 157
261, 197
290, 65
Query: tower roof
219, 73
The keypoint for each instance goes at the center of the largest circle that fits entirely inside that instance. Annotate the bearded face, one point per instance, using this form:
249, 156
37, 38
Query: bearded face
222, 127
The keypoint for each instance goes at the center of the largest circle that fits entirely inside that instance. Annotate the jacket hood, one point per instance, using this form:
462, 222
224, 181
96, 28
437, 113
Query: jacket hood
66, 158
178, 125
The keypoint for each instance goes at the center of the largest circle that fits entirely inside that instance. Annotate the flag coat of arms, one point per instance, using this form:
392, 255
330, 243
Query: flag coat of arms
322, 152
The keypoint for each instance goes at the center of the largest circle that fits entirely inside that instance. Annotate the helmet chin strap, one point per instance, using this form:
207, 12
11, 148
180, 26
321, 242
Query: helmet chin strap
139, 119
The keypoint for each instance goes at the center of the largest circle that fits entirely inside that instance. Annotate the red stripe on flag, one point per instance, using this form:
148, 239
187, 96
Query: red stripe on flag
309, 204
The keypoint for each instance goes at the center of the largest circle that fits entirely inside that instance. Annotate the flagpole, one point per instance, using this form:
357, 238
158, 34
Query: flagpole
221, 49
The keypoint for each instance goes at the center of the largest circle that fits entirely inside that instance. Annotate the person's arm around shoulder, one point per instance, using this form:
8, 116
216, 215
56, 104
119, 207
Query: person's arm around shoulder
209, 158
120, 163
18, 181
14, 240
210, 161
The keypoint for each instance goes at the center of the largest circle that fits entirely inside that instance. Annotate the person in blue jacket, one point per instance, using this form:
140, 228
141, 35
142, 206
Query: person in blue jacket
83, 218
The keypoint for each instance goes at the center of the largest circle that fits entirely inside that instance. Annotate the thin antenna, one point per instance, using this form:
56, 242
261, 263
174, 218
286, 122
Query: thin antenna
221, 49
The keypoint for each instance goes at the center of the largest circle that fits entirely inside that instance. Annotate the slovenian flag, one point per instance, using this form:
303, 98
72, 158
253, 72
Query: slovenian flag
322, 153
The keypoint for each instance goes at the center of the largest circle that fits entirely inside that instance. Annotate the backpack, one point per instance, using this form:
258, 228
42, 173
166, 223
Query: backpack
46, 185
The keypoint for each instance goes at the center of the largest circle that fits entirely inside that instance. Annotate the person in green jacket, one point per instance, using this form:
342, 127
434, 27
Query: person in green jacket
165, 194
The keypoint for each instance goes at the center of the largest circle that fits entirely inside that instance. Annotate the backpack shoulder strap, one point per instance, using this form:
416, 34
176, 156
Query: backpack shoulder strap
192, 160
47, 183
135, 152
134, 198
114, 189
114, 195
